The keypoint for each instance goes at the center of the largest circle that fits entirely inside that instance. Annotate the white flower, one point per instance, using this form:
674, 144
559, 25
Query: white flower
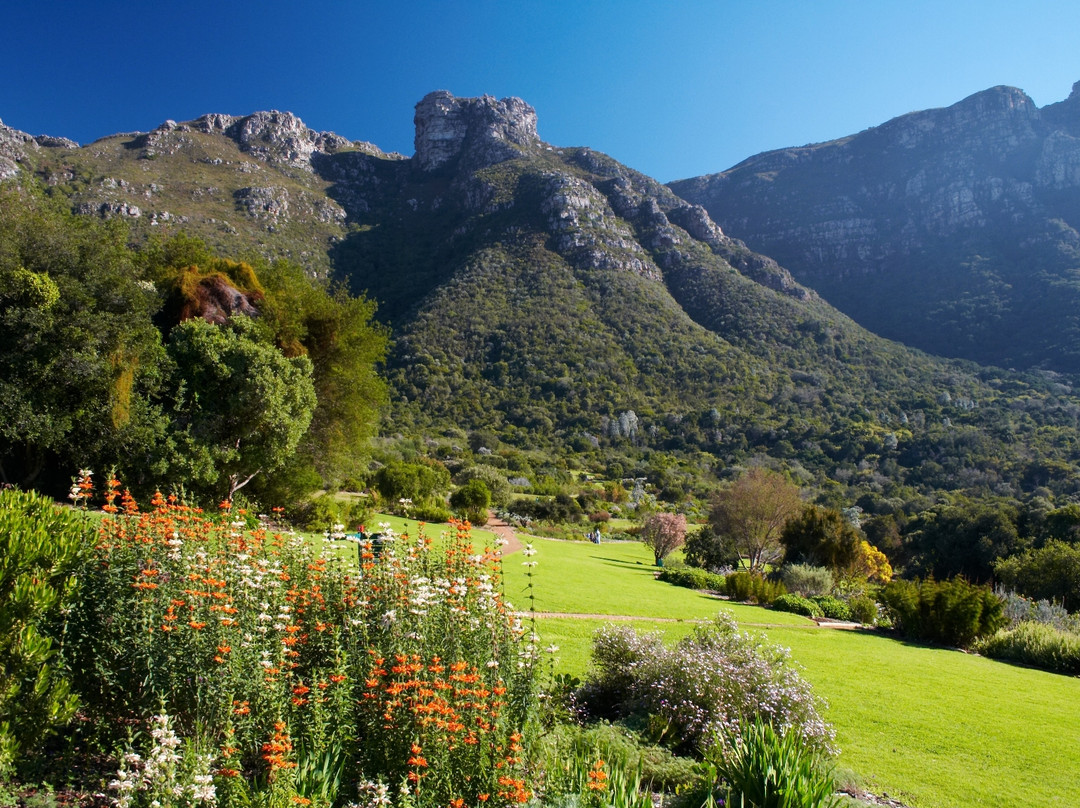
529, 550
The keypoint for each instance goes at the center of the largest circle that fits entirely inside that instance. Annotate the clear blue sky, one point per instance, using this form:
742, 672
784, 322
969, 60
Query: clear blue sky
673, 89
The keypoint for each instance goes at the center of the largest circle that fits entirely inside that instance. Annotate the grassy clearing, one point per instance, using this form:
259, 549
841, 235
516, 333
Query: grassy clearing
934, 727
615, 578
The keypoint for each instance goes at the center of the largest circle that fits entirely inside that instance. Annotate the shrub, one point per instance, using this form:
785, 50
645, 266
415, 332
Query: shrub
40, 546
495, 479
1050, 573
1037, 644
759, 767
952, 612
747, 586
559, 508
693, 578
832, 607
797, 604
712, 678
806, 580
863, 609
709, 551
472, 501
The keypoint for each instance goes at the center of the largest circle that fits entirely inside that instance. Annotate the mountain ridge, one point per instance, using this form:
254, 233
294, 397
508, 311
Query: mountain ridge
952, 229
563, 301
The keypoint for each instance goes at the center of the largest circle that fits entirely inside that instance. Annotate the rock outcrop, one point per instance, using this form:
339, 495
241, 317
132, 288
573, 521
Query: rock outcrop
478, 131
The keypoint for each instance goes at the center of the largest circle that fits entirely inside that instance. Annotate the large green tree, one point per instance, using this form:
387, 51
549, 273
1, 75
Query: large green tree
81, 360
242, 405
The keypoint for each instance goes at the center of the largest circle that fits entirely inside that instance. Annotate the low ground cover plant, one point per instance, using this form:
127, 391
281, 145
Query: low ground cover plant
1037, 644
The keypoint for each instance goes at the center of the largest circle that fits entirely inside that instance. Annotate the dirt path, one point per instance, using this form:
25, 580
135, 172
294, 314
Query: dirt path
504, 532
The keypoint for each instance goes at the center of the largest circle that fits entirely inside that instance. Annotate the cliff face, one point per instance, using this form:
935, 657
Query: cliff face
954, 230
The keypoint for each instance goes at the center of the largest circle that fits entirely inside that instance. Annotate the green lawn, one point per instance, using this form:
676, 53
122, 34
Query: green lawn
936, 728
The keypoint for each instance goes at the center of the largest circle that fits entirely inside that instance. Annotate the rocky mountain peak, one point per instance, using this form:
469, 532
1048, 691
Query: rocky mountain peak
483, 131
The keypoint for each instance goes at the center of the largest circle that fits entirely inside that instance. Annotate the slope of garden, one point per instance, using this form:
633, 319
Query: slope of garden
933, 726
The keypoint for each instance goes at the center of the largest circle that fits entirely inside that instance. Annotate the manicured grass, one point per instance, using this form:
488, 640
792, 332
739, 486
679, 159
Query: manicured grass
943, 728
614, 578
936, 728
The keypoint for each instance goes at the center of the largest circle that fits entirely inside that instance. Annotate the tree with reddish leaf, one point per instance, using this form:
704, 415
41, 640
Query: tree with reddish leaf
664, 533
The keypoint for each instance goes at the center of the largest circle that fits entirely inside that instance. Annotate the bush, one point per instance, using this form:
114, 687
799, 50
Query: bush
832, 607
746, 586
684, 695
863, 609
1037, 644
495, 479
806, 580
951, 612
326, 510
472, 501
561, 508
797, 604
40, 544
693, 578
710, 552
759, 767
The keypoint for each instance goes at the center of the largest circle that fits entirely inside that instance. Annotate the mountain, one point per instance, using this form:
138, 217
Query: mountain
554, 299
953, 230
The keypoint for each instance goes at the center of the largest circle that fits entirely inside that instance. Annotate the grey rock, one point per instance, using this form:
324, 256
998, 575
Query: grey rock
482, 131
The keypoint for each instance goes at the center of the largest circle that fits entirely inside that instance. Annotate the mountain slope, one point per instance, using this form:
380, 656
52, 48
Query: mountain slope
953, 230
569, 303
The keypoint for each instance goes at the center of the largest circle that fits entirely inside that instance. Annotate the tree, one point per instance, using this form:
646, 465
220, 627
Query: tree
302, 317
822, 537
239, 402
1050, 573
81, 360
711, 552
753, 512
472, 500
664, 533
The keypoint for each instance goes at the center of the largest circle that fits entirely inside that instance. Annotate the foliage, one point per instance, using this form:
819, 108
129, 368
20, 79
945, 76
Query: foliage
242, 404
821, 537
402, 484
1038, 644
40, 546
663, 533
753, 512
560, 508
806, 580
1051, 572
715, 677
832, 607
757, 766
966, 539
494, 479
692, 578
864, 609
82, 362
750, 586
326, 510
705, 549
302, 674
952, 612
797, 604
472, 501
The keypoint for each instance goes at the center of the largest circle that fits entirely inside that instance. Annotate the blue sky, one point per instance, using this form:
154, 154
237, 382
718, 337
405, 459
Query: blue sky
673, 89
